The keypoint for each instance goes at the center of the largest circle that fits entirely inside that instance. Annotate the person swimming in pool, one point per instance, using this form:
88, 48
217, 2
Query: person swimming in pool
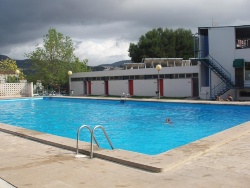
168, 121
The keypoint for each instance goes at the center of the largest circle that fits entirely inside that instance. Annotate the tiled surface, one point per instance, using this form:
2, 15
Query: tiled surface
25, 163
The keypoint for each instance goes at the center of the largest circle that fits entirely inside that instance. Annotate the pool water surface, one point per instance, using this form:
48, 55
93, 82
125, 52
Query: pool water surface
134, 125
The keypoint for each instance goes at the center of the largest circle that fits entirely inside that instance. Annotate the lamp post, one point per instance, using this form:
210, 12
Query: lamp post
17, 73
158, 68
69, 74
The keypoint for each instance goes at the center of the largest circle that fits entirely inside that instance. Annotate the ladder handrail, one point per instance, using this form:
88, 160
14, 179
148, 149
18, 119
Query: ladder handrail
216, 89
220, 66
123, 98
92, 137
78, 135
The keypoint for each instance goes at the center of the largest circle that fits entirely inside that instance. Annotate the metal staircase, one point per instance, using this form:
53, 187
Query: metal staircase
225, 84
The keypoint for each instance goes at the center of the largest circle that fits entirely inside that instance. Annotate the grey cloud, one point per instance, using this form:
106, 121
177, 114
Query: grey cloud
25, 21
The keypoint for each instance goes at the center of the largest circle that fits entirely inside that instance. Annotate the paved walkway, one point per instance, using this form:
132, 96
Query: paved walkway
26, 163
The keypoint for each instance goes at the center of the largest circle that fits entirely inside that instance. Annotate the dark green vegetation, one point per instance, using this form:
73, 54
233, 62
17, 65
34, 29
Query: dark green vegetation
163, 43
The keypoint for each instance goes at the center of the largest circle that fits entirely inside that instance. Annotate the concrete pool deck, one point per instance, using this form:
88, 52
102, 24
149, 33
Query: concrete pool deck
32, 159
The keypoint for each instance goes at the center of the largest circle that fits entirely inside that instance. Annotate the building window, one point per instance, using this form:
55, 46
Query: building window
242, 36
247, 70
244, 94
131, 77
175, 75
155, 76
181, 75
148, 76
139, 77
118, 78
195, 75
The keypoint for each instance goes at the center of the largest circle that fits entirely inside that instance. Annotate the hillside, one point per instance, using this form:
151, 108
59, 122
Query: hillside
25, 64
116, 64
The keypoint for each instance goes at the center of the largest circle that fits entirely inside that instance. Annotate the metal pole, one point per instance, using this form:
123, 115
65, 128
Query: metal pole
159, 95
69, 86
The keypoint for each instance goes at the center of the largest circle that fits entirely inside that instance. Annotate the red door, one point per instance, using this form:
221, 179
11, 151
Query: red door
131, 87
89, 87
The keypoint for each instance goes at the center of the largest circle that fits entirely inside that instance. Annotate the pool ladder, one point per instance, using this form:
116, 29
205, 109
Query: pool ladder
92, 138
124, 97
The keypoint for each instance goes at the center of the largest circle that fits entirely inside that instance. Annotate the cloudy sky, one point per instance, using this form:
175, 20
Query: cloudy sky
103, 29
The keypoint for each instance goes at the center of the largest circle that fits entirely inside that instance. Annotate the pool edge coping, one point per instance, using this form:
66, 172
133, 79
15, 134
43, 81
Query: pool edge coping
156, 163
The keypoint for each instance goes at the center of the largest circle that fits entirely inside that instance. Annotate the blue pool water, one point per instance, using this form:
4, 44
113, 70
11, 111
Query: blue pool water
134, 126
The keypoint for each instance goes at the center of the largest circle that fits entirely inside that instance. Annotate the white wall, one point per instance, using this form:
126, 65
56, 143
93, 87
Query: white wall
97, 88
16, 89
204, 93
222, 47
145, 87
77, 87
243, 53
178, 87
117, 87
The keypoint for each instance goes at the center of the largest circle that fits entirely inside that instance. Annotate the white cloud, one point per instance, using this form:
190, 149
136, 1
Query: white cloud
102, 52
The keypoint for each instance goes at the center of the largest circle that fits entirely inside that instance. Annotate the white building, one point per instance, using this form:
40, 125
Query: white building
177, 78
222, 66
224, 53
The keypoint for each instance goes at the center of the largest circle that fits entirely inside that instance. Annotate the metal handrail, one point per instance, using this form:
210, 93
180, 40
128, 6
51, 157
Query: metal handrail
215, 90
78, 135
123, 97
222, 73
92, 137
217, 64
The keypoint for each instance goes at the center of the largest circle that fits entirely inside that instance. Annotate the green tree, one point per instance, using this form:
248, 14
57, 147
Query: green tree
184, 43
9, 67
159, 43
51, 62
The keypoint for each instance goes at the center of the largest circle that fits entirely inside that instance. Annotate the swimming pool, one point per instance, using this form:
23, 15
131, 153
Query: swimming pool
135, 126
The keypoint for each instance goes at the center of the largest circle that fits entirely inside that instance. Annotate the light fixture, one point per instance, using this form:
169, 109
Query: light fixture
69, 73
70, 91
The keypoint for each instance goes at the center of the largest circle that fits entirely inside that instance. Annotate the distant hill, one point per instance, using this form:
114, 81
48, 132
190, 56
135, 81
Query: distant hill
25, 64
3, 57
116, 64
